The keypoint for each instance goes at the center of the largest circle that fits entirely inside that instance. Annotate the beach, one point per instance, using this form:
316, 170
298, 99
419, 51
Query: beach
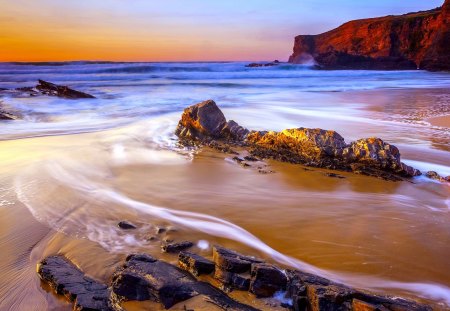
73, 169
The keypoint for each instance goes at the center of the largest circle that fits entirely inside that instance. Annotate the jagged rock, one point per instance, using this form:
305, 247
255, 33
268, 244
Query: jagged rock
126, 225
409, 41
435, 176
176, 247
144, 278
195, 264
51, 89
266, 280
67, 280
232, 261
205, 123
253, 65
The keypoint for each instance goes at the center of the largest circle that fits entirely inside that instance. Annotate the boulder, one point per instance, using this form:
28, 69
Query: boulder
195, 264
69, 281
266, 280
231, 280
232, 261
176, 247
51, 89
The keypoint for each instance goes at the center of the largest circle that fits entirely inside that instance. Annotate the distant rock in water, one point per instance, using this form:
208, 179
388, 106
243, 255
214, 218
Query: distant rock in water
274, 63
410, 41
205, 123
52, 89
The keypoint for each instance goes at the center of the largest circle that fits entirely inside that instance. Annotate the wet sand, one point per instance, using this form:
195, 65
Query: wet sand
443, 121
353, 226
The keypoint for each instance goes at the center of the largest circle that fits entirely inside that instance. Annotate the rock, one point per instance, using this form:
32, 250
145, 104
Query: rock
176, 247
329, 298
144, 278
67, 280
410, 41
358, 305
159, 230
5, 115
253, 65
195, 264
126, 225
333, 175
266, 279
51, 89
435, 176
205, 123
231, 280
232, 261
201, 120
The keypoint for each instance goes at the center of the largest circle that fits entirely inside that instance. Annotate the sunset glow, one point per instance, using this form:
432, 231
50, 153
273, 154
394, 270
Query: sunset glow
173, 30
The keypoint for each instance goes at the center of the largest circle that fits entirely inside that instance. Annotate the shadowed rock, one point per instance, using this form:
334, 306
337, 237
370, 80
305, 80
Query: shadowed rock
195, 264
232, 261
126, 225
176, 247
67, 280
204, 123
51, 89
144, 278
266, 280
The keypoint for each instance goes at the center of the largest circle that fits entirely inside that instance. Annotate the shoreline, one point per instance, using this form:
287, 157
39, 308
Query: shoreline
441, 121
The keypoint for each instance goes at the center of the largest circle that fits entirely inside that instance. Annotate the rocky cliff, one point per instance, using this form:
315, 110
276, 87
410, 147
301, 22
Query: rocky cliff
410, 41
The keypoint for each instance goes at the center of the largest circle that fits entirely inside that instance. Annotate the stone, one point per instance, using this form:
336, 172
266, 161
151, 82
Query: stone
176, 247
69, 281
142, 277
126, 225
233, 280
51, 89
195, 264
201, 120
329, 298
358, 305
232, 261
266, 279
159, 230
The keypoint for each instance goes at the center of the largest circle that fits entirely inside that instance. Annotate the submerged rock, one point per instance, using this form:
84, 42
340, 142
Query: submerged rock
205, 122
70, 282
51, 89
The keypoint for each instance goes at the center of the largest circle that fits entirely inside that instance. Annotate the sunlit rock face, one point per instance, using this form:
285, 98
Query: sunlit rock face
410, 41
205, 120
205, 123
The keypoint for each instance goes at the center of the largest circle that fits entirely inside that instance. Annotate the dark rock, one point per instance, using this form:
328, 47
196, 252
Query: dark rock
253, 65
334, 175
67, 280
234, 131
51, 89
233, 280
144, 278
176, 247
5, 115
159, 230
250, 159
330, 298
195, 264
266, 280
435, 176
358, 305
126, 225
232, 261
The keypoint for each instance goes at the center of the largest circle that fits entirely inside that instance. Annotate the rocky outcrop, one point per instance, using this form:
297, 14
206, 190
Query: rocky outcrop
253, 65
144, 278
410, 41
69, 281
205, 123
48, 88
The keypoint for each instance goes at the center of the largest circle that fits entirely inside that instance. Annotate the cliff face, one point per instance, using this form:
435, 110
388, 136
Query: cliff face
410, 41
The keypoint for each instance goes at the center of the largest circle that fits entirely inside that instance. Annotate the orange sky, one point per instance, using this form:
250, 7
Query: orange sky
171, 30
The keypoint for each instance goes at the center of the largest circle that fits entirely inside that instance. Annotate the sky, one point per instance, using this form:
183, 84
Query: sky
175, 30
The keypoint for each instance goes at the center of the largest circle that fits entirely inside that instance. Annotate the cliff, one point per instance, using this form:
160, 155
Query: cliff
410, 41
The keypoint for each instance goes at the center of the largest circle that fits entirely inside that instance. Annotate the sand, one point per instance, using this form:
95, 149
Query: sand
442, 121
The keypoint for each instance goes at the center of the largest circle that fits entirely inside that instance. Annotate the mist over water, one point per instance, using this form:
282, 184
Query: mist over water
80, 166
